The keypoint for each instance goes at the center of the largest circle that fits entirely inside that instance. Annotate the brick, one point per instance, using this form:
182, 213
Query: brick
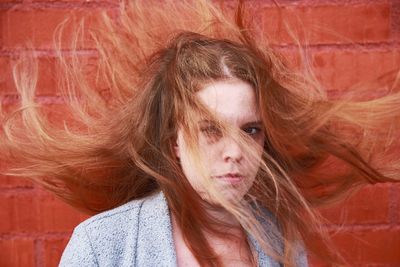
6, 79
366, 246
78, 1
372, 246
21, 212
37, 27
292, 58
359, 209
29, 212
47, 76
395, 207
395, 12
10, 1
317, 262
339, 70
57, 216
47, 79
53, 249
59, 115
55, 110
17, 252
50, 74
326, 24
14, 182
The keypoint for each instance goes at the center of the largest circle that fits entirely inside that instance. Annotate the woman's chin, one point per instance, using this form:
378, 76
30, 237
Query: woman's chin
226, 194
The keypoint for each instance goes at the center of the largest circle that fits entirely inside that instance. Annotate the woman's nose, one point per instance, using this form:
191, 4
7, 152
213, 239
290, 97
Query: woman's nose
232, 150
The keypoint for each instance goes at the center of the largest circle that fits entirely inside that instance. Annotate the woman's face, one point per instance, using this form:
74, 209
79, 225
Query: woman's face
228, 166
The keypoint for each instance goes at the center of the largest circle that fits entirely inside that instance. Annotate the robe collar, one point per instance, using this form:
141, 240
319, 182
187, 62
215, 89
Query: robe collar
155, 239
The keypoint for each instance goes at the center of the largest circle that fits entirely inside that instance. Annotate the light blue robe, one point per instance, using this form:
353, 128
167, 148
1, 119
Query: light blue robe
136, 234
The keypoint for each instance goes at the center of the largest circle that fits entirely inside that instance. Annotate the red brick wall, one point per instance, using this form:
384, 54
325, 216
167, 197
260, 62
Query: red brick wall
350, 41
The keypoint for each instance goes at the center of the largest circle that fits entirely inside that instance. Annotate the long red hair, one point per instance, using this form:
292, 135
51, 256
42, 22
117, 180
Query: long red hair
119, 145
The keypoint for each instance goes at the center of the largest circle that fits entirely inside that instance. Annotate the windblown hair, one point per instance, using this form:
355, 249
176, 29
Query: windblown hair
118, 146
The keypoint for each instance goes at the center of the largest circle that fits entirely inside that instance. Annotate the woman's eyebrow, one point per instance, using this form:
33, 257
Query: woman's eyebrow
257, 122
206, 122
252, 123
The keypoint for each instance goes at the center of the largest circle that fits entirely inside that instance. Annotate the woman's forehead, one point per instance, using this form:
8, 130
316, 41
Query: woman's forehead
231, 100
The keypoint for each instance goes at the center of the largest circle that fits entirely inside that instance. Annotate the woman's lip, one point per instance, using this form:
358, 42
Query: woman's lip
233, 179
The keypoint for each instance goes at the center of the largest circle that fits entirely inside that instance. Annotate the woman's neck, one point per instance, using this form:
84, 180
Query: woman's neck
226, 221
232, 247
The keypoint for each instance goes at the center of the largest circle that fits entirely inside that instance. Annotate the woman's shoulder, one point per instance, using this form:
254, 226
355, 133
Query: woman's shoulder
122, 217
116, 214
105, 237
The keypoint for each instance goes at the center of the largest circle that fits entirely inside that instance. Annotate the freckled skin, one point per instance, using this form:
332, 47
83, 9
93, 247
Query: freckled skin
234, 101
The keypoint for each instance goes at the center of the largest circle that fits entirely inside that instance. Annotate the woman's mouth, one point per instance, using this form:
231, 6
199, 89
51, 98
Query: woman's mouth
232, 178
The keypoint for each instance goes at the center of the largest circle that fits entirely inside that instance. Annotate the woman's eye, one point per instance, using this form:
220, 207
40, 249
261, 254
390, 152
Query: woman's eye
211, 130
212, 133
252, 130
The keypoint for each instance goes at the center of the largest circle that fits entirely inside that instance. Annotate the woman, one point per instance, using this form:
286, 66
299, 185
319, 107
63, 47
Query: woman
207, 153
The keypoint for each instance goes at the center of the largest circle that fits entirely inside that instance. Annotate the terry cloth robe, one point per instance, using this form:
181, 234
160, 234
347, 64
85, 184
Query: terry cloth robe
137, 234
